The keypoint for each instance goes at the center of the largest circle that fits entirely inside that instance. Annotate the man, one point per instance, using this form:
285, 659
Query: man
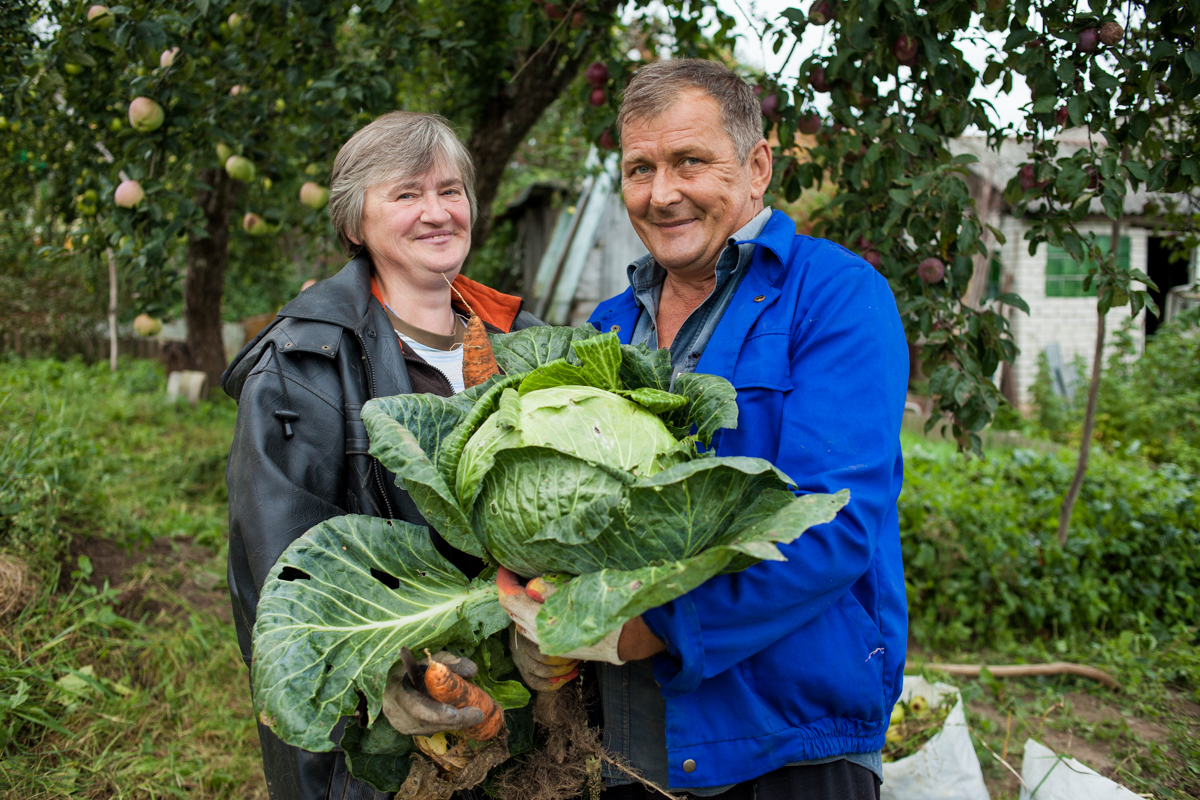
776, 682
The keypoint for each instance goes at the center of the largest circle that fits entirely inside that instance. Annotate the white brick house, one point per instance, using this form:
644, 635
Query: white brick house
1049, 280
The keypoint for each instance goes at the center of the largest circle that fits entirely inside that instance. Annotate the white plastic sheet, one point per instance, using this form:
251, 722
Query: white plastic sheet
1049, 776
946, 766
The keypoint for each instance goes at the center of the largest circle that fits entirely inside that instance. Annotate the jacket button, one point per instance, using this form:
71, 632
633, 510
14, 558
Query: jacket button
615, 328
689, 766
371, 334
760, 298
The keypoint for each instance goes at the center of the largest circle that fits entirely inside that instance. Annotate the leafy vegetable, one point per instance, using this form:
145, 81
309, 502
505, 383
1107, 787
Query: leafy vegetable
583, 461
335, 611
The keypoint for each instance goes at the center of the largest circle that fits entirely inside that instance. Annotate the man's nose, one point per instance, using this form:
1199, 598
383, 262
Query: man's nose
664, 191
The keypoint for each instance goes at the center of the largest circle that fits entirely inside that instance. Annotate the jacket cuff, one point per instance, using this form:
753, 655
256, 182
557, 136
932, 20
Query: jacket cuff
681, 669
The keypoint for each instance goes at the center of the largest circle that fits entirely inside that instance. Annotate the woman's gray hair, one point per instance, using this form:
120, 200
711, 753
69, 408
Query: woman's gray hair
398, 145
655, 87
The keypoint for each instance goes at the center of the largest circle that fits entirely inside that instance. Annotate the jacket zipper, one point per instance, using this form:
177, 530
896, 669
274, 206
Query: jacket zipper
410, 360
375, 468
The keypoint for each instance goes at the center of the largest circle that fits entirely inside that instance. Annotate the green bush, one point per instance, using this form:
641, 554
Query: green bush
1149, 405
983, 565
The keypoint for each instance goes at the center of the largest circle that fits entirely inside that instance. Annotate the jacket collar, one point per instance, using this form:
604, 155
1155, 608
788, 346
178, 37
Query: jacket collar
778, 236
343, 299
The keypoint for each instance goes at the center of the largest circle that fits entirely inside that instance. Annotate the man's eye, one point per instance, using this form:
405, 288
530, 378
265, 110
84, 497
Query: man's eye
640, 170
691, 161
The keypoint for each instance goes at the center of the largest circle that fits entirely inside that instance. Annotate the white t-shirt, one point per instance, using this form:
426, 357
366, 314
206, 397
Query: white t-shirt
448, 362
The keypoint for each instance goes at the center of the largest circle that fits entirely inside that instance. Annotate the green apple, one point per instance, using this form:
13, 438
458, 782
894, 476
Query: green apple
145, 115
314, 195
240, 168
129, 194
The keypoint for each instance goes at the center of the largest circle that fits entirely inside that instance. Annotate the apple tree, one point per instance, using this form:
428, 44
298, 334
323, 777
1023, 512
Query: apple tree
216, 114
899, 88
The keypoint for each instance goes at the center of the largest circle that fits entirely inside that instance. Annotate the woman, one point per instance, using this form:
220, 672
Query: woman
402, 202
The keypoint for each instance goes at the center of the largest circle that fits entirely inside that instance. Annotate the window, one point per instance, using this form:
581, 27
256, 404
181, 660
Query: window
1064, 275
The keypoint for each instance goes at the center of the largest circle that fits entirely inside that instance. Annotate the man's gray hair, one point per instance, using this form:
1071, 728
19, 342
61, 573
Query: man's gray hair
398, 145
655, 87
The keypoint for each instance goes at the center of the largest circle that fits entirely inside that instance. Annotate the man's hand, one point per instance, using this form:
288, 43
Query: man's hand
411, 711
522, 605
541, 673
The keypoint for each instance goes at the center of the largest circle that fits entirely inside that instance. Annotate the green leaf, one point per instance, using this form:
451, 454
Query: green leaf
531, 348
586, 608
712, 404
599, 365
398, 428
655, 400
909, 142
643, 367
378, 755
1014, 300
335, 611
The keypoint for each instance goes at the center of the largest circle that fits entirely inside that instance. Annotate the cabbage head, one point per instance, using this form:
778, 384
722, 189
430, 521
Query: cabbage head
586, 464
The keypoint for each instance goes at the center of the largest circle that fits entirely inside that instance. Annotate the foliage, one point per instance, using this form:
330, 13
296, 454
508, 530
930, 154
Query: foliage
900, 90
1151, 405
982, 565
605, 420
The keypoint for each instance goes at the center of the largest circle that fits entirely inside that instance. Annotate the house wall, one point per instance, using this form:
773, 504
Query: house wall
617, 246
1069, 321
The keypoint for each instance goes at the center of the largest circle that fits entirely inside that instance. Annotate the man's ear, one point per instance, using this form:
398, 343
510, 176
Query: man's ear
760, 169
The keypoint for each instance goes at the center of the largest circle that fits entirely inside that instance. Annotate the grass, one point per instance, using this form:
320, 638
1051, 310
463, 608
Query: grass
121, 678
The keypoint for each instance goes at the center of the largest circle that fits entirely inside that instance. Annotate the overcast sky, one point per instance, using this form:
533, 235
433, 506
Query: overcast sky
751, 51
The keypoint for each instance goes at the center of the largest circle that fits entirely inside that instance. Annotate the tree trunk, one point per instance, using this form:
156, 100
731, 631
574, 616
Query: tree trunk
512, 110
1089, 417
207, 259
112, 309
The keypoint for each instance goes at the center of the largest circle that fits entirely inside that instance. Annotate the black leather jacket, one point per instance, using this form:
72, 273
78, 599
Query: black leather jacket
299, 453
299, 457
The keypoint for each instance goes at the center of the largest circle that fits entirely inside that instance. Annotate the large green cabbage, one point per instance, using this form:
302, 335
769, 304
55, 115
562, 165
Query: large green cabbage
581, 464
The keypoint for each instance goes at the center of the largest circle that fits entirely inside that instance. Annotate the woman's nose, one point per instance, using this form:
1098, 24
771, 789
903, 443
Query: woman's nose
435, 210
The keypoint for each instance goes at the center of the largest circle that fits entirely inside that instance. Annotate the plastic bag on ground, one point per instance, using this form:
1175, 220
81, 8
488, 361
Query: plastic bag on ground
946, 766
1049, 776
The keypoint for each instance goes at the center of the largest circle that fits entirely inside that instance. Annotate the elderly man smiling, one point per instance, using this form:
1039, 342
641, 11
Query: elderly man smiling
776, 682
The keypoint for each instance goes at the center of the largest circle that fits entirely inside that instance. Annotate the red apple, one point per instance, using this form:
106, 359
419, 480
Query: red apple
873, 257
820, 12
1061, 116
809, 123
606, 140
1029, 178
553, 11
1089, 38
578, 20
596, 74
770, 107
905, 49
816, 79
931, 270
598, 97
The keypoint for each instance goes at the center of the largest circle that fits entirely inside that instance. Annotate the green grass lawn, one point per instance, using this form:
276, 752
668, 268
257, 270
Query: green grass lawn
120, 675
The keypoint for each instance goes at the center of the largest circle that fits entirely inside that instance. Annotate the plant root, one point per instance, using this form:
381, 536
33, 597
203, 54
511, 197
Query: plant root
568, 764
17, 586
1024, 670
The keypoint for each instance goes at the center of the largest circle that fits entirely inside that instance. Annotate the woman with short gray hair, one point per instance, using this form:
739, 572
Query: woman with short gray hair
392, 321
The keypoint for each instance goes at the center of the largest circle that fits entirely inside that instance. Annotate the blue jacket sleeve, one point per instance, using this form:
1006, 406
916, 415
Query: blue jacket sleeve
837, 428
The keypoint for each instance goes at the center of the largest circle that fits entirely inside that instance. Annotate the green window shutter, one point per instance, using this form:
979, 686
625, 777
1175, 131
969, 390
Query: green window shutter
1064, 275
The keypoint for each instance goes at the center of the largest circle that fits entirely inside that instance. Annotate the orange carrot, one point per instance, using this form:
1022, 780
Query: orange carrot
479, 362
446, 687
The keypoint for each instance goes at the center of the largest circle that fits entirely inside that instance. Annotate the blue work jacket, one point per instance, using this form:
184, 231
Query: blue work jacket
799, 659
